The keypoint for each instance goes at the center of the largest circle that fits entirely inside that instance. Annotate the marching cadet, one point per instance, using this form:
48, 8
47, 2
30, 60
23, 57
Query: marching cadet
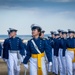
63, 43
52, 42
49, 43
13, 50
0, 51
60, 32
60, 52
56, 53
35, 53
70, 53
9, 36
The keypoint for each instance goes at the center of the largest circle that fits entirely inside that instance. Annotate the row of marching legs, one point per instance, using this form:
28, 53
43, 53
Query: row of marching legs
62, 65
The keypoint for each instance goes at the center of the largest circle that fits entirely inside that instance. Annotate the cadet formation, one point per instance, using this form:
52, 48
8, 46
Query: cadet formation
40, 55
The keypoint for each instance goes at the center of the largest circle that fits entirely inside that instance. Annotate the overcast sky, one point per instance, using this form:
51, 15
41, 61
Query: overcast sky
49, 14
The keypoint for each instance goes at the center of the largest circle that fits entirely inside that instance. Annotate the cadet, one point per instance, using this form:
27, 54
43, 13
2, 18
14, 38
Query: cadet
56, 52
70, 53
63, 43
12, 48
52, 42
35, 53
0, 51
60, 52
9, 35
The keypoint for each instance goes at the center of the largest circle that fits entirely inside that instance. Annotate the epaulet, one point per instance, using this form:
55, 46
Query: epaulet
19, 38
6, 40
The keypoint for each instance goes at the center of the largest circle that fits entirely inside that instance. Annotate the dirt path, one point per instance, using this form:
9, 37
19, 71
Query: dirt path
3, 69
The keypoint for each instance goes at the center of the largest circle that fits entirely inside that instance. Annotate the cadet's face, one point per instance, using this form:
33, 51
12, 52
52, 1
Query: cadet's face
35, 32
71, 34
60, 34
13, 34
53, 36
64, 35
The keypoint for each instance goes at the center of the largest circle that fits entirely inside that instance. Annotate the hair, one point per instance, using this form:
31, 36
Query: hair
39, 30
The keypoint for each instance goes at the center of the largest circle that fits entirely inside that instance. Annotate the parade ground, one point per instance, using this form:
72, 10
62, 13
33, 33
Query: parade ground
3, 69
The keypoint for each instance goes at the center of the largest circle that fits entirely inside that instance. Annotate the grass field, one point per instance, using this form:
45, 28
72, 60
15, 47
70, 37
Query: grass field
3, 69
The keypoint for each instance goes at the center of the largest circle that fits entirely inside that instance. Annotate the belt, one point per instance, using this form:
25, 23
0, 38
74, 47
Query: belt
39, 56
72, 49
12, 51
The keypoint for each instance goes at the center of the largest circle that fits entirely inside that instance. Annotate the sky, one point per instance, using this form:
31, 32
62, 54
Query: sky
49, 14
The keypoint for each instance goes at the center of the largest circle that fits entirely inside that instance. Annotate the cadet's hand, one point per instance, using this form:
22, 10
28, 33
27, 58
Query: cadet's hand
26, 66
49, 66
50, 63
23, 57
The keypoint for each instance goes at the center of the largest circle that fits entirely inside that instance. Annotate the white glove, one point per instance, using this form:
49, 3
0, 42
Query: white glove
23, 57
49, 66
26, 66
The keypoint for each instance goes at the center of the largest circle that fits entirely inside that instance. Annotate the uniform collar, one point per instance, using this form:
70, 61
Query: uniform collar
12, 38
36, 38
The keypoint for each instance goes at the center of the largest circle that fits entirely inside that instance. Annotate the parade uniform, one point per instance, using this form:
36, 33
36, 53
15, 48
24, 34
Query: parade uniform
12, 48
52, 45
60, 53
37, 62
56, 54
0, 50
70, 54
53, 61
63, 58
